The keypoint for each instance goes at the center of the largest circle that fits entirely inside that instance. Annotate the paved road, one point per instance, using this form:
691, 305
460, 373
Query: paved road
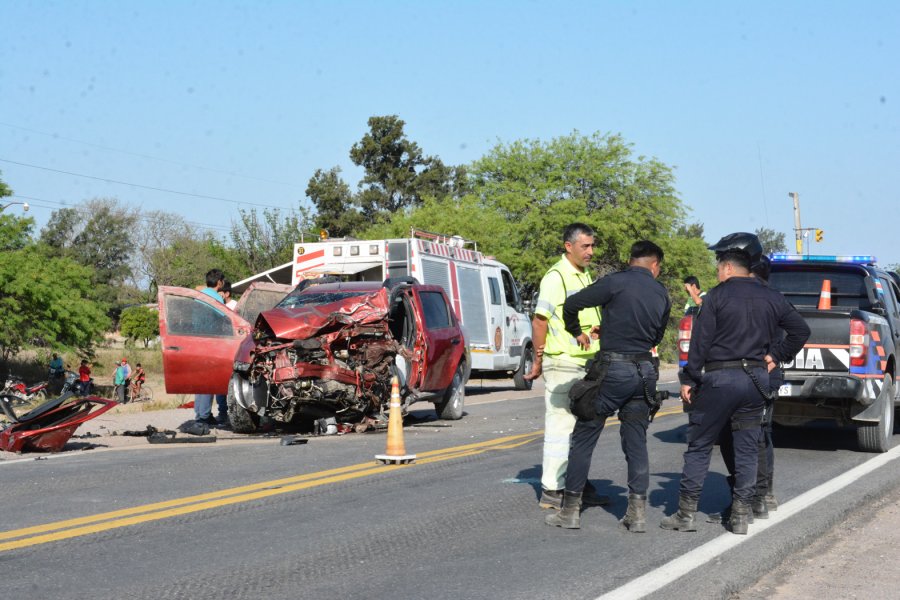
321, 520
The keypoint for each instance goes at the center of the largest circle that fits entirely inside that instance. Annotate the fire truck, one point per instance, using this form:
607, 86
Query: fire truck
482, 291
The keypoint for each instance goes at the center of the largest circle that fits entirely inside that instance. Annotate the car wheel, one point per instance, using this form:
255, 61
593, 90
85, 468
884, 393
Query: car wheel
877, 437
525, 366
450, 407
241, 419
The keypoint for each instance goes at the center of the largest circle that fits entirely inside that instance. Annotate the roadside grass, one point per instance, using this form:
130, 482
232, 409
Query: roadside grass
31, 366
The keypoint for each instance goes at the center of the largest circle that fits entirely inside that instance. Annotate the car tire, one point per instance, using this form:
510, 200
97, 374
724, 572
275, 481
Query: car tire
525, 365
241, 419
877, 437
450, 406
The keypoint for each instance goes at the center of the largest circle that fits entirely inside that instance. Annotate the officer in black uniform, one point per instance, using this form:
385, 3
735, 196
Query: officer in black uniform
727, 380
635, 311
764, 498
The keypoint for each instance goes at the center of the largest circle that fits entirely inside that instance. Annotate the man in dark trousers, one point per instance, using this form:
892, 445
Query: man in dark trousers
733, 348
635, 311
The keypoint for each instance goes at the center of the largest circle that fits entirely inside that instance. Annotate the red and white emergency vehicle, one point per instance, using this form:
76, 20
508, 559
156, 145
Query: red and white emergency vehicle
484, 294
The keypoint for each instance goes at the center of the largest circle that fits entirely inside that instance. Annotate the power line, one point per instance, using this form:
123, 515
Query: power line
37, 203
138, 185
148, 156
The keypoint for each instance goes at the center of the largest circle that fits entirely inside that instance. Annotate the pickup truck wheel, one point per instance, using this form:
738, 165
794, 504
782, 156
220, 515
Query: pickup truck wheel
450, 407
876, 437
241, 419
525, 365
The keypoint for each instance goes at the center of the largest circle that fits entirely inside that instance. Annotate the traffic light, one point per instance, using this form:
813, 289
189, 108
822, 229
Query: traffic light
323, 234
819, 235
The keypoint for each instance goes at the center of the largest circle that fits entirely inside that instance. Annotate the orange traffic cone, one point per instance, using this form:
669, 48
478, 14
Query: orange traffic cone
825, 296
395, 454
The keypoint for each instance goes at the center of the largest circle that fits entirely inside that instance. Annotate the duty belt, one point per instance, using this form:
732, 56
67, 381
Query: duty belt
732, 364
623, 357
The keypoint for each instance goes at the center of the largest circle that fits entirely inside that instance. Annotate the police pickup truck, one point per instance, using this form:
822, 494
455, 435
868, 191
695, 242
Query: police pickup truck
847, 370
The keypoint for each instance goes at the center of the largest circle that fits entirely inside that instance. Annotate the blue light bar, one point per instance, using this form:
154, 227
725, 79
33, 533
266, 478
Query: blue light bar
860, 259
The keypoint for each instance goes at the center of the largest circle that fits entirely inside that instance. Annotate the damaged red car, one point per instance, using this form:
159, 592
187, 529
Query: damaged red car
325, 349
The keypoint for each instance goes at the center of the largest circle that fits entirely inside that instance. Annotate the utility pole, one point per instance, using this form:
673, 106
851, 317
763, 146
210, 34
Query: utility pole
798, 231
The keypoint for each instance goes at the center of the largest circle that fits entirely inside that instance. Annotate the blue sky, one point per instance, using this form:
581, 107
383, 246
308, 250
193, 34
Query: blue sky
242, 102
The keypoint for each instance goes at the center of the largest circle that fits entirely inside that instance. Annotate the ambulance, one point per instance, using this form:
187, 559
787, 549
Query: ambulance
482, 291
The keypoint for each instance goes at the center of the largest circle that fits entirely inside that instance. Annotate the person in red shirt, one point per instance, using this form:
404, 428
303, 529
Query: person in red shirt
84, 376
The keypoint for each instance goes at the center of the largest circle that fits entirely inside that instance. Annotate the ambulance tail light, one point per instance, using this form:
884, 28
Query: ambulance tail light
684, 337
859, 342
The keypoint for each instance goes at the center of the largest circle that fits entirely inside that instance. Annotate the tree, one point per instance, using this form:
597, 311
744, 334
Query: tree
539, 188
526, 192
397, 177
773, 242
15, 232
334, 204
139, 323
97, 234
265, 243
187, 258
5, 190
48, 299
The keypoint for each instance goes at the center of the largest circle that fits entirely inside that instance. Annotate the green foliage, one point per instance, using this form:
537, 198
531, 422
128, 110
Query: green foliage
772, 241
267, 242
334, 204
97, 234
526, 192
15, 232
139, 323
187, 258
397, 178
47, 300
5, 190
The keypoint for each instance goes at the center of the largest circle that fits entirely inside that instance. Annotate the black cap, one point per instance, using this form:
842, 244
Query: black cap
748, 242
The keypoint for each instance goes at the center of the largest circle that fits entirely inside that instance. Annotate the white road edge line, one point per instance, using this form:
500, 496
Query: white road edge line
666, 574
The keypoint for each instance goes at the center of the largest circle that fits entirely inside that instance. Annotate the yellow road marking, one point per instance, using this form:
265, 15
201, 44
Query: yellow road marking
61, 530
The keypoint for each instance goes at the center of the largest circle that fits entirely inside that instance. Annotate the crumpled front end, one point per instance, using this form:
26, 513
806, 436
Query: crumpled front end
340, 365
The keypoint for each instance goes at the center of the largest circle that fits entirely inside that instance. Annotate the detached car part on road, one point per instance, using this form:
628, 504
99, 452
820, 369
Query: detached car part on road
326, 349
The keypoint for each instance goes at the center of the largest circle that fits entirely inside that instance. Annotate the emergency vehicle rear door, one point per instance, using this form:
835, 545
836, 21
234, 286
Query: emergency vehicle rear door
200, 338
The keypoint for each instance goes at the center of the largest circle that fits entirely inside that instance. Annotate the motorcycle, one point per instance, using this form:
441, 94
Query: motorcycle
23, 394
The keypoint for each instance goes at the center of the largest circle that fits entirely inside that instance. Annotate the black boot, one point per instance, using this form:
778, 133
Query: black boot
760, 508
569, 515
635, 519
590, 497
740, 517
771, 501
683, 519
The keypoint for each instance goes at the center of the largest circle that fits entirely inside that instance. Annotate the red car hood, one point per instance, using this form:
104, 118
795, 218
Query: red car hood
305, 322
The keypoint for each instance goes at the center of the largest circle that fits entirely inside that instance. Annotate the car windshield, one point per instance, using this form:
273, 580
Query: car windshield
307, 298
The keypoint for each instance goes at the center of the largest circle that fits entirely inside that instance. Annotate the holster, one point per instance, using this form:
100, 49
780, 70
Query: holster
583, 394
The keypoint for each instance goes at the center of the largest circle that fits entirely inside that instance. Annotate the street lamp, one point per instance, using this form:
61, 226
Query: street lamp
5, 206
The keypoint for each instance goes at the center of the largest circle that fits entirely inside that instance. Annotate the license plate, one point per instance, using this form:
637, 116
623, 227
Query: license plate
785, 390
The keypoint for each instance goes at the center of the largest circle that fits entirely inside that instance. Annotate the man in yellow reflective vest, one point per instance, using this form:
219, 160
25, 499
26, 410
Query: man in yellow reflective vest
562, 360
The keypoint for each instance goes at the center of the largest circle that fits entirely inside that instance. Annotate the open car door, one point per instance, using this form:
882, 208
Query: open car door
441, 335
200, 338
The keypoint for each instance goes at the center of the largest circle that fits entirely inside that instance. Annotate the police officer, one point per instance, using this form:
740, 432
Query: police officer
635, 313
727, 378
764, 497
561, 359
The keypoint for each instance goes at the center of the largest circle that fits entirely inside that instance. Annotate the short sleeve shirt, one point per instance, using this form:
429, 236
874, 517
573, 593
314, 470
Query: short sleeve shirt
561, 281
213, 294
